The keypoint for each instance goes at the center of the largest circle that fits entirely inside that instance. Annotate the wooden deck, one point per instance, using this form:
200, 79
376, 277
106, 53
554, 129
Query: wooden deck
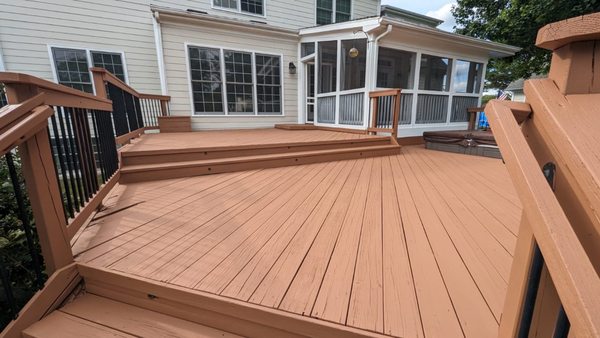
411, 245
243, 137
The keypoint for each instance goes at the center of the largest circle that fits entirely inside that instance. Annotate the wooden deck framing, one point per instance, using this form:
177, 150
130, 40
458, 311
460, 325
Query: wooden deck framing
411, 245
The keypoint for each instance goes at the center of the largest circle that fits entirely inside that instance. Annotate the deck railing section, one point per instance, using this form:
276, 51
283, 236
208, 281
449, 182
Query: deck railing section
59, 150
554, 285
133, 112
385, 111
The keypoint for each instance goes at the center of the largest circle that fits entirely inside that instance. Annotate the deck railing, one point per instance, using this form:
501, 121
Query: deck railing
554, 286
385, 111
133, 112
59, 148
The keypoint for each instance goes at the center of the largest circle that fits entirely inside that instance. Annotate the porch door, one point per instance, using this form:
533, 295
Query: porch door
310, 91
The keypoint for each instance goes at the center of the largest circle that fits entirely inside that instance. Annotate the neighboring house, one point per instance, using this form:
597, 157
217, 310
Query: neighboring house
255, 63
516, 88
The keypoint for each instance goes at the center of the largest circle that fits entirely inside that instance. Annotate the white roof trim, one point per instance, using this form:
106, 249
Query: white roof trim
169, 14
367, 23
500, 49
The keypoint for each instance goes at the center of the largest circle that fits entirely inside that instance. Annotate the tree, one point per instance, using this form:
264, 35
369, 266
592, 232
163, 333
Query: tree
516, 22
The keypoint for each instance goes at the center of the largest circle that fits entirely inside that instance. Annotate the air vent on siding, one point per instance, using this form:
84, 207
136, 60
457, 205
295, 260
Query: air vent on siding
196, 11
256, 21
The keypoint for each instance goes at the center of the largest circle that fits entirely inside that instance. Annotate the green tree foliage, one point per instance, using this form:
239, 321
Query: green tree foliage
16, 260
516, 22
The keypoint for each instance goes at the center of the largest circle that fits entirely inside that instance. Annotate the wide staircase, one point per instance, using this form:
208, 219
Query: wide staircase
140, 164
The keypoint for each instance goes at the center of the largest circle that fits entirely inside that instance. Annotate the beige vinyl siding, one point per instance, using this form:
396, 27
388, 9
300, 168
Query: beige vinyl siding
176, 35
365, 8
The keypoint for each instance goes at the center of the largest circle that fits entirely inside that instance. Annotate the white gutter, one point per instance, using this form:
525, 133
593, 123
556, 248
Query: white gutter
159, 53
373, 55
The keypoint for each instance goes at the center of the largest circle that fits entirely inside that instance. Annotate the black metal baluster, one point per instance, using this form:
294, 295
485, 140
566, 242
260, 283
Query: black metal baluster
130, 108
24, 218
63, 168
119, 115
87, 137
69, 159
81, 184
138, 112
99, 146
81, 156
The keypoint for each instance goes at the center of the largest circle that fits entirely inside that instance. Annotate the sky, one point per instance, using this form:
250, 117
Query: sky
439, 9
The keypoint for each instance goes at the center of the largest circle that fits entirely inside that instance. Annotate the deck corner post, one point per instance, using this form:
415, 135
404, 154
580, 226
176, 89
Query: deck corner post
43, 190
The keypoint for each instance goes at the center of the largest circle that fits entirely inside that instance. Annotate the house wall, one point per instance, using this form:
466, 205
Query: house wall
177, 35
27, 27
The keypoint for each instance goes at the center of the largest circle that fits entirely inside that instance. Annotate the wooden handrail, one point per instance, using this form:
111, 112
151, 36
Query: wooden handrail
374, 97
111, 78
25, 128
572, 272
57, 95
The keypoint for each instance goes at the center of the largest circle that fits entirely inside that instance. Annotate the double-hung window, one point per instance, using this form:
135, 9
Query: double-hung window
72, 66
256, 7
331, 11
230, 82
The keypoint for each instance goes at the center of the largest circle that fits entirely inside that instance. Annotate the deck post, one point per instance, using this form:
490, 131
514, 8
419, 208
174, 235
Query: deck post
575, 46
42, 187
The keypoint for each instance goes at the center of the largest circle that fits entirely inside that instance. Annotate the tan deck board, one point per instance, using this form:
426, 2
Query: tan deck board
218, 138
408, 245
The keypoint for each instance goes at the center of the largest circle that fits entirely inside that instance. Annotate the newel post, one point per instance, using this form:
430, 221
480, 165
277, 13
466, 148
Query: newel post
575, 46
43, 190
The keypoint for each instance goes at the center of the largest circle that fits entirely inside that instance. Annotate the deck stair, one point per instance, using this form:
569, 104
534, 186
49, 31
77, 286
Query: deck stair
144, 165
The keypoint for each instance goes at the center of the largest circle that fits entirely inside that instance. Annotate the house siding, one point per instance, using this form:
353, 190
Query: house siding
176, 35
28, 26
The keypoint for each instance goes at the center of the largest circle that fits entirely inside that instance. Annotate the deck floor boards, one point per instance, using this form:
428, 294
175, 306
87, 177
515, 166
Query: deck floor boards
411, 245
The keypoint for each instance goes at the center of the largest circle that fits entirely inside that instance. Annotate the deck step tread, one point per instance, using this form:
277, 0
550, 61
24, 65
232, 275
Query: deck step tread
242, 159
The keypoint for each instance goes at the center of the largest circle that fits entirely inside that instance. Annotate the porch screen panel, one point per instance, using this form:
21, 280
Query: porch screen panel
205, 72
468, 77
431, 108
238, 82
351, 109
327, 66
326, 109
268, 84
460, 104
435, 73
395, 68
406, 101
353, 68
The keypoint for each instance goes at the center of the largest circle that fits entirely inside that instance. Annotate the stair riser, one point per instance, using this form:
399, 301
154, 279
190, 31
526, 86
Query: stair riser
229, 153
166, 173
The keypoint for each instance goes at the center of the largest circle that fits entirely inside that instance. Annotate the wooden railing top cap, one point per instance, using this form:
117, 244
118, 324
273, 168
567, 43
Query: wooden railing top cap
561, 33
25, 79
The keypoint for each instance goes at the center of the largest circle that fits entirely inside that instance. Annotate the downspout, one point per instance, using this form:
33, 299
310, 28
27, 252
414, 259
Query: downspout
159, 53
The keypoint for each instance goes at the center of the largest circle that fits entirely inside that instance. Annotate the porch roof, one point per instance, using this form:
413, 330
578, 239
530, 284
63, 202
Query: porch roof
494, 49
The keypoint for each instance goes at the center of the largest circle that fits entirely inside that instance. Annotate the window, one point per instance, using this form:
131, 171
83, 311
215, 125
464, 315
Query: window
238, 80
244, 6
330, 11
205, 66
229, 82
435, 73
327, 66
268, 84
354, 69
395, 69
72, 66
109, 61
468, 77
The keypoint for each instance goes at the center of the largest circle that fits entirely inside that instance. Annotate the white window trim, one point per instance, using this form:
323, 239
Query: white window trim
238, 10
334, 11
224, 83
89, 61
